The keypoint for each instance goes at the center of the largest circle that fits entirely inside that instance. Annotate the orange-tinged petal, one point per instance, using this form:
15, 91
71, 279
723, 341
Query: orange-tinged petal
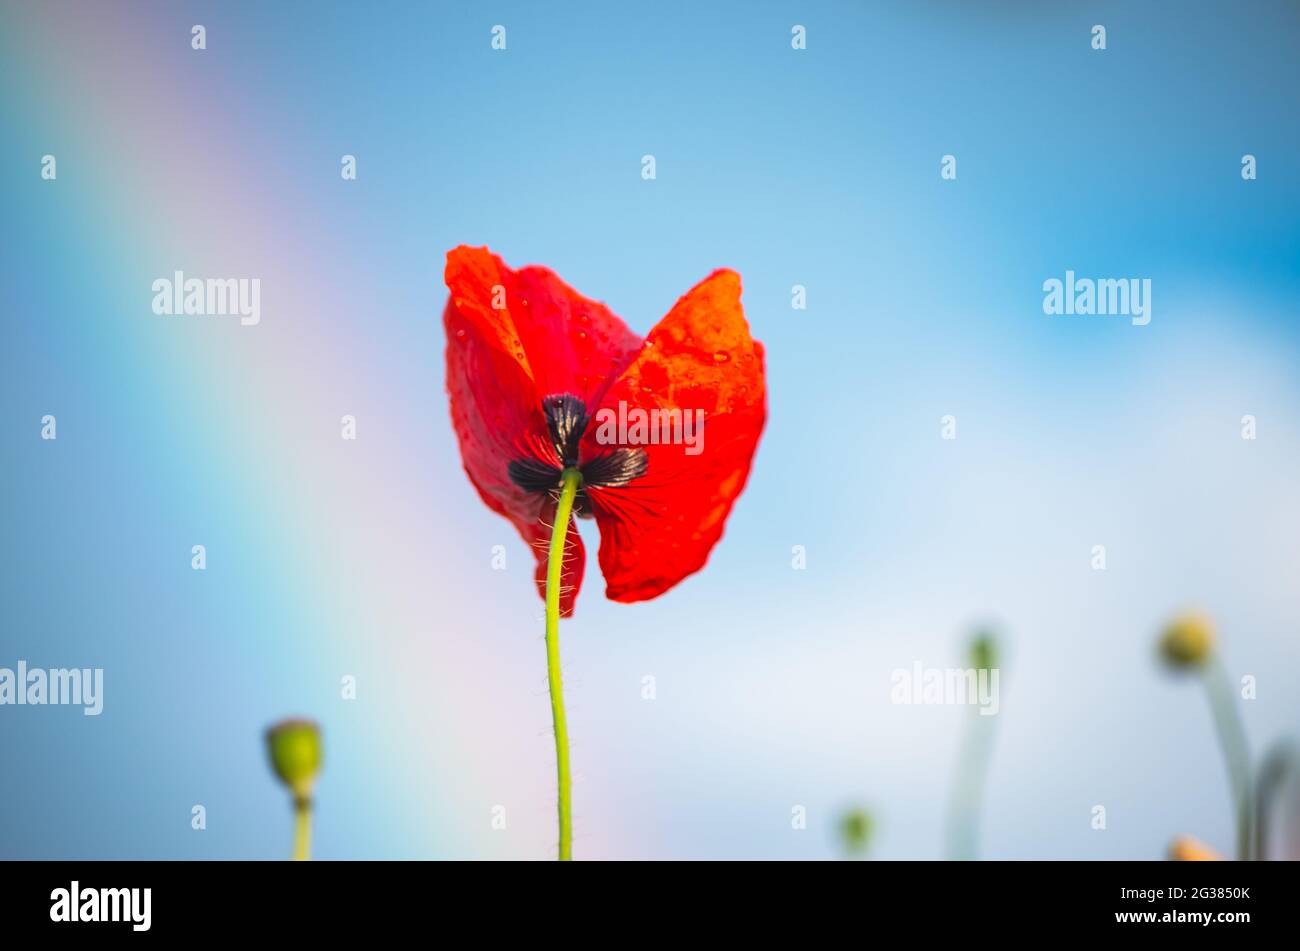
1186, 849
661, 527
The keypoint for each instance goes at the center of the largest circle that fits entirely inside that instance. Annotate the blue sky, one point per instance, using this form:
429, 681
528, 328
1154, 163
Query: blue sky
817, 167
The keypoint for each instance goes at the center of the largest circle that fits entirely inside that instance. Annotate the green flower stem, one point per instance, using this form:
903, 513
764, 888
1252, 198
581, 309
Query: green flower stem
1274, 775
570, 481
968, 789
1232, 741
301, 828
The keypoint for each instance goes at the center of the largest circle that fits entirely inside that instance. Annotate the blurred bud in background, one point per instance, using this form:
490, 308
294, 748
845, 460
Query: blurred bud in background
974, 752
295, 748
855, 829
1187, 642
1186, 849
983, 651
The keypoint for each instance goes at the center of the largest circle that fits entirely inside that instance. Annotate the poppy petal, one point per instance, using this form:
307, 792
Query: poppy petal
660, 527
514, 338
562, 341
574, 344
495, 406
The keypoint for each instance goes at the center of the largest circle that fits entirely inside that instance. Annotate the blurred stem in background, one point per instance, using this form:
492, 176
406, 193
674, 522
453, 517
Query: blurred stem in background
302, 828
1236, 754
973, 757
1272, 790
295, 750
1188, 644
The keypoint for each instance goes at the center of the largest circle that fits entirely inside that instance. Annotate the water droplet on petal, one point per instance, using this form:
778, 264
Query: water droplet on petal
722, 356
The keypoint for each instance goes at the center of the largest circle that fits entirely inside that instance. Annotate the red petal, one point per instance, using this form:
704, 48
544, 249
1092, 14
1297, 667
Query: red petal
574, 345
562, 341
659, 528
493, 396
513, 338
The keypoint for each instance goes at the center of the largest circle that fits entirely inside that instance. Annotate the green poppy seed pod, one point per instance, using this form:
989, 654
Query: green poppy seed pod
295, 749
984, 651
1187, 642
855, 831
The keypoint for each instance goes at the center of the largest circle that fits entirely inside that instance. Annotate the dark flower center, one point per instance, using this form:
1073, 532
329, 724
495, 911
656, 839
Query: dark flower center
566, 419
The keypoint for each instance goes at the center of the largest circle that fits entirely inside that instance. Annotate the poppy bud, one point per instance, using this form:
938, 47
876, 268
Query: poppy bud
295, 749
984, 651
855, 831
1186, 849
1187, 642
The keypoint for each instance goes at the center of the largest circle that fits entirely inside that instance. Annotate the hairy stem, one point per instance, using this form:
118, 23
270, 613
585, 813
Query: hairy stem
571, 480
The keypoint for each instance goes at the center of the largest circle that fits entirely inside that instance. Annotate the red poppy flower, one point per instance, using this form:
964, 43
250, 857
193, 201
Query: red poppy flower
543, 379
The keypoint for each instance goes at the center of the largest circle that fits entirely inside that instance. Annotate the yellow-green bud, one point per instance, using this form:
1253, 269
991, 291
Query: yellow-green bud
855, 831
1188, 641
984, 651
295, 749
